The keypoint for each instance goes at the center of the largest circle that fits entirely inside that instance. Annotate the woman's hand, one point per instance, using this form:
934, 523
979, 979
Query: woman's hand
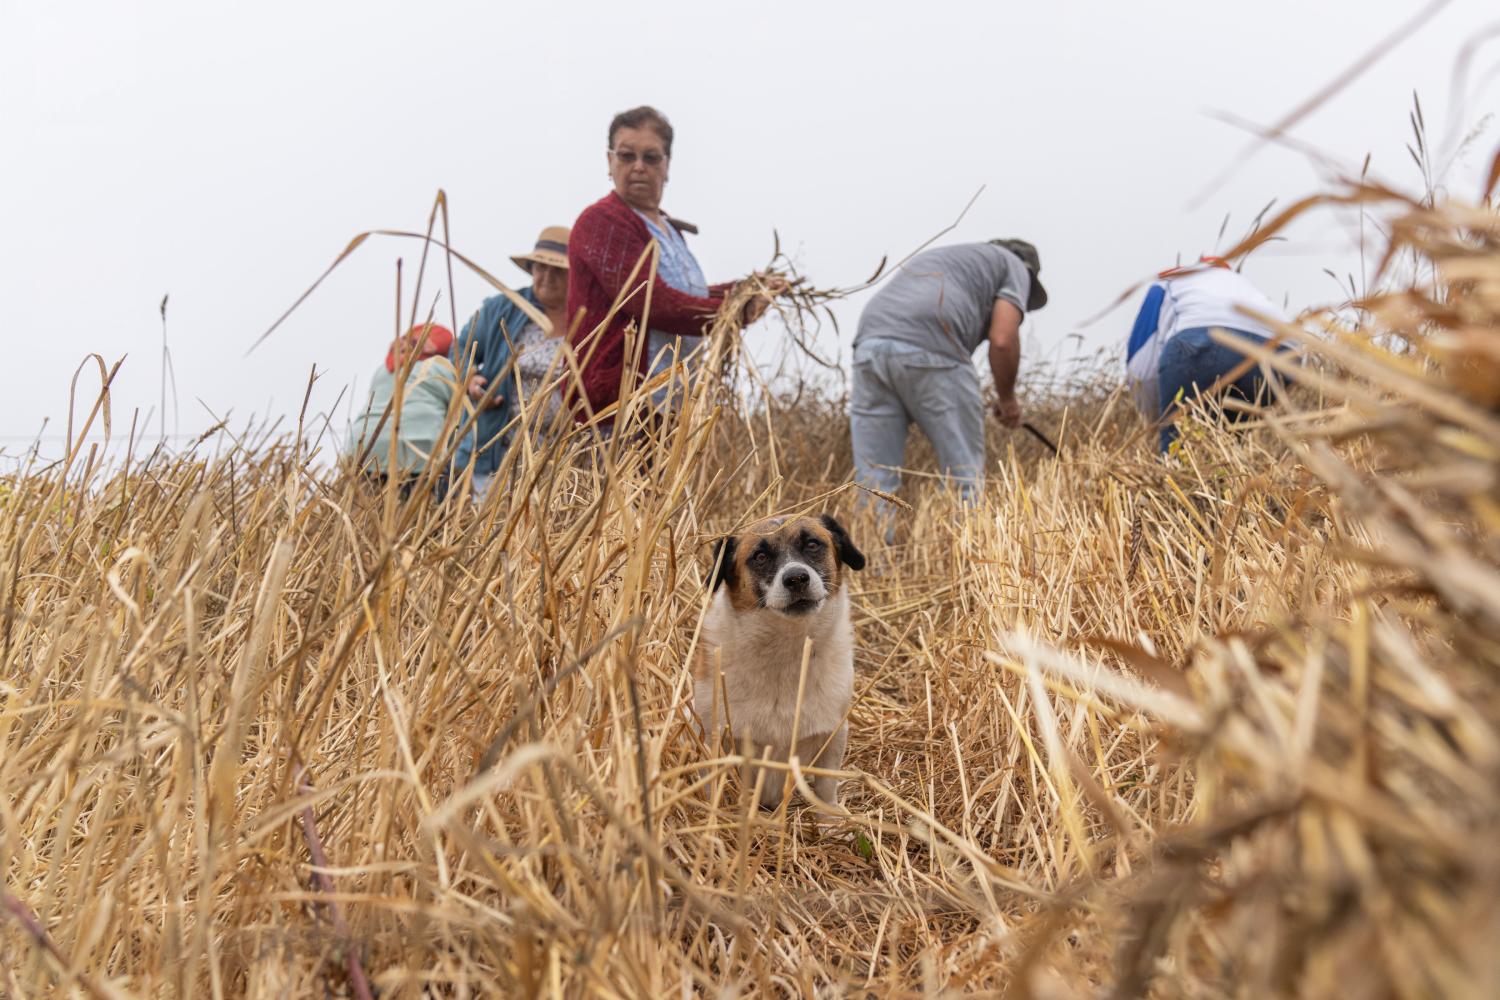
771, 286
754, 310
476, 387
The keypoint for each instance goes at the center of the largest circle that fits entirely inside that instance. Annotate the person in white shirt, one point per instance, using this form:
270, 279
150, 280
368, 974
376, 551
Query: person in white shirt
1171, 357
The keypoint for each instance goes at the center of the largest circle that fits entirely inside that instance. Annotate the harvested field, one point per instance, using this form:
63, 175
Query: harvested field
1223, 725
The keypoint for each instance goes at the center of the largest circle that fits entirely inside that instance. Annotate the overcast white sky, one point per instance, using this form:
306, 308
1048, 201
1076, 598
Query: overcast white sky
223, 153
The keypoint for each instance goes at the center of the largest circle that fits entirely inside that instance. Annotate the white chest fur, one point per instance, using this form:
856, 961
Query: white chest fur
759, 654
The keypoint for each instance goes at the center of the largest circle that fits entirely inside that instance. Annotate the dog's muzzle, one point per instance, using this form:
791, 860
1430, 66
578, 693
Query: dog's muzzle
798, 590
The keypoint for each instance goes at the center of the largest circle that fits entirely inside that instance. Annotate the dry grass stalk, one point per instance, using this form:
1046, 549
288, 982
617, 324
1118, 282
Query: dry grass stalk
1225, 726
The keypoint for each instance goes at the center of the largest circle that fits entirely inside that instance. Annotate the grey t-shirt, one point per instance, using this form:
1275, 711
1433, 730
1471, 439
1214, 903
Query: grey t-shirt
942, 298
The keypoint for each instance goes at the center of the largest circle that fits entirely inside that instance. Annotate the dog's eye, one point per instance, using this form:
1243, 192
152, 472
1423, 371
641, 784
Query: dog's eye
812, 545
759, 559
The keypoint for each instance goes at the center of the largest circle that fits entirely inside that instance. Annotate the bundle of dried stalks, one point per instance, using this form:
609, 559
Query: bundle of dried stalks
1223, 726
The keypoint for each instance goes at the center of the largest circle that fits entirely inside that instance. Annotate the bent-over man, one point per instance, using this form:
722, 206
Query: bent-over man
1172, 356
913, 358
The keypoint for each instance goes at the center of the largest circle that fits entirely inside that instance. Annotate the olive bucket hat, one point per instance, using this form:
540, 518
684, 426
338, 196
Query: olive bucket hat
1033, 262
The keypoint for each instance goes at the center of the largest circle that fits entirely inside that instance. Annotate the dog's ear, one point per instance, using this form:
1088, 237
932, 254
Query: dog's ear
722, 570
848, 554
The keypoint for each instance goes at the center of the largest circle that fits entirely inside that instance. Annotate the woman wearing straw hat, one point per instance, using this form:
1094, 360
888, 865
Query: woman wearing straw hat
538, 351
512, 333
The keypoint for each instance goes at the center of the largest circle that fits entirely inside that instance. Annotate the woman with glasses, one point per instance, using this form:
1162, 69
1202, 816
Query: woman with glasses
608, 241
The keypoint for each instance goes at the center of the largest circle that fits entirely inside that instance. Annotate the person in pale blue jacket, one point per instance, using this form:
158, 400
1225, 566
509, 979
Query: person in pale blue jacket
485, 354
400, 445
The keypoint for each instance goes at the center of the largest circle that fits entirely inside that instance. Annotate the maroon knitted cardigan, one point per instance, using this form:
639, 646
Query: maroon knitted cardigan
603, 248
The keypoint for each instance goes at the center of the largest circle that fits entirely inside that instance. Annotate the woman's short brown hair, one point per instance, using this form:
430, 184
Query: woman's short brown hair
644, 116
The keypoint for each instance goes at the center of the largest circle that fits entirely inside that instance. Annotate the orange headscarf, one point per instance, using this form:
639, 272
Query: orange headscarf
439, 340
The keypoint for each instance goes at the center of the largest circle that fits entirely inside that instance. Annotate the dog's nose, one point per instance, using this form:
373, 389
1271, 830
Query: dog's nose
795, 579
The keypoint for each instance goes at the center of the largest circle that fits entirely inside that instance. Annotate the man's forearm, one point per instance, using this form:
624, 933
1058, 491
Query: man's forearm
1005, 361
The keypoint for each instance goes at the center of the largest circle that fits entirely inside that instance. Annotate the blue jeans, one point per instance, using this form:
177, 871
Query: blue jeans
1191, 362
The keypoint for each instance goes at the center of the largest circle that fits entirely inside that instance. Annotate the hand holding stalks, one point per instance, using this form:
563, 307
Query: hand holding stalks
770, 286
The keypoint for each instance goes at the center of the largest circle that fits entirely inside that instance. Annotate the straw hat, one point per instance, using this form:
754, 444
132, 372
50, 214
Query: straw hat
551, 249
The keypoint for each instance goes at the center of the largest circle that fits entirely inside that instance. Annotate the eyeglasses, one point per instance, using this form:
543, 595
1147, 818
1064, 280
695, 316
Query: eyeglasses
650, 158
